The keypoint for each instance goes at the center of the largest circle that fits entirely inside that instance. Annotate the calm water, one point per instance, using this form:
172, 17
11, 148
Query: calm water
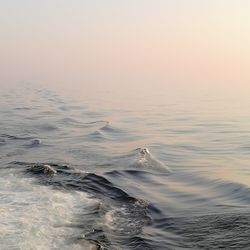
135, 171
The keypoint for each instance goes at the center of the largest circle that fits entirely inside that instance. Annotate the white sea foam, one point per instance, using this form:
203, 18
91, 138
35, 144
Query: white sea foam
35, 217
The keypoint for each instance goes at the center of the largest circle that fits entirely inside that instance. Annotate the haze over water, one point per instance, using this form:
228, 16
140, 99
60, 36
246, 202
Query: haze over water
124, 125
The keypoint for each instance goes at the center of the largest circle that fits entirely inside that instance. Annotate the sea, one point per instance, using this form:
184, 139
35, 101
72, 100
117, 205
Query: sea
123, 169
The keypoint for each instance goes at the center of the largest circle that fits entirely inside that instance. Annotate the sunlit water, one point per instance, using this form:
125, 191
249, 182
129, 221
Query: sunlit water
104, 171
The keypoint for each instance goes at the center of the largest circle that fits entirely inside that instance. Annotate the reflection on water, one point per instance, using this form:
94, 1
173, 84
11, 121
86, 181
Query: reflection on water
97, 171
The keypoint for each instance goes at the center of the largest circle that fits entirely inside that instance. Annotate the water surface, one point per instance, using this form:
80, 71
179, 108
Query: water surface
133, 171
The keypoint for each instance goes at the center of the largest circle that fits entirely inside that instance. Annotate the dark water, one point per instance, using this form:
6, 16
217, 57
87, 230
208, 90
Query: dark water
123, 174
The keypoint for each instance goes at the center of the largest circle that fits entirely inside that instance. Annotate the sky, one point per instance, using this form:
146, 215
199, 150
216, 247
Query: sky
166, 44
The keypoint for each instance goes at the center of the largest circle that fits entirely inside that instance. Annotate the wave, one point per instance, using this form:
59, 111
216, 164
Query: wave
33, 142
232, 191
109, 132
145, 160
222, 192
108, 128
76, 123
15, 137
120, 214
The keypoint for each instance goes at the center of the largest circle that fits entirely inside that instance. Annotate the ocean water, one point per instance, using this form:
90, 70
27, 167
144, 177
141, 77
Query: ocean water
128, 171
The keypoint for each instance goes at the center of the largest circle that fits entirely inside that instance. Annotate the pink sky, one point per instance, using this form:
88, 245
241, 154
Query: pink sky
160, 43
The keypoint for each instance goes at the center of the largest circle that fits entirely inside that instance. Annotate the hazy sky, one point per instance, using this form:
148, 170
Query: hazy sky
126, 42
